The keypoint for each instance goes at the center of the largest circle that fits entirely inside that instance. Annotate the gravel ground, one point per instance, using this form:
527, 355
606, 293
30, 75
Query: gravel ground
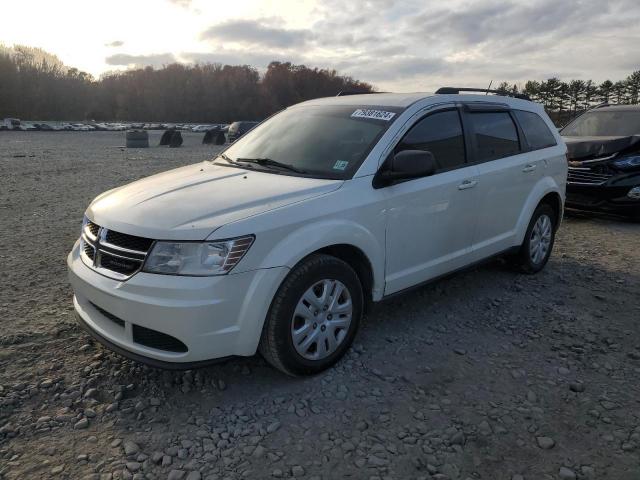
487, 374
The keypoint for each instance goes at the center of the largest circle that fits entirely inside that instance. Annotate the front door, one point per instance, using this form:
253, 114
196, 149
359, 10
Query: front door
430, 220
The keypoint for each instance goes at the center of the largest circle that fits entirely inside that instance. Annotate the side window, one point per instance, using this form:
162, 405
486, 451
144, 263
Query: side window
496, 135
535, 130
440, 134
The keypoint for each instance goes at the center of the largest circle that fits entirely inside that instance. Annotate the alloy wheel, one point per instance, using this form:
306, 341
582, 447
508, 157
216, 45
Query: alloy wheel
540, 239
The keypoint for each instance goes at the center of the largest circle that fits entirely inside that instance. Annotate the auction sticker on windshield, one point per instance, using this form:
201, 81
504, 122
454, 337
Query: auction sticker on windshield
374, 114
340, 165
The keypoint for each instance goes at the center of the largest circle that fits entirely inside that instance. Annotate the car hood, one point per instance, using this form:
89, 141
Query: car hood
580, 148
189, 203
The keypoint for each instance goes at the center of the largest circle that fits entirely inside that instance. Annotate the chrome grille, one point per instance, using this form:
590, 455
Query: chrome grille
88, 250
129, 242
93, 228
113, 254
586, 176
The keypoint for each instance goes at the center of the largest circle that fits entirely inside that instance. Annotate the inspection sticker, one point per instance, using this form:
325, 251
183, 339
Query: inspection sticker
375, 114
340, 165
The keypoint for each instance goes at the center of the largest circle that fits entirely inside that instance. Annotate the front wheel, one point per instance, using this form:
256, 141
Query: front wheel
538, 241
314, 316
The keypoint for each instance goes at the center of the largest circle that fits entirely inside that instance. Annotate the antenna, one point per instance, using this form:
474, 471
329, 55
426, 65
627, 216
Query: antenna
489, 87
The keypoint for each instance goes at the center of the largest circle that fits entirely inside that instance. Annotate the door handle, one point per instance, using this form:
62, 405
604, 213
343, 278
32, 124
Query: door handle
530, 167
467, 184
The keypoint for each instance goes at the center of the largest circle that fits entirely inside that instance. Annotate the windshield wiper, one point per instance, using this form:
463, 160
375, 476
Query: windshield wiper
234, 162
268, 162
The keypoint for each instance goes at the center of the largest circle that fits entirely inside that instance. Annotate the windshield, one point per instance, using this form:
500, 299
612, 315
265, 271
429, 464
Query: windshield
604, 124
325, 141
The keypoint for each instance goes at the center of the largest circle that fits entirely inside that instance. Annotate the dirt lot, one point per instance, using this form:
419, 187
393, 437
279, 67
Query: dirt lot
485, 375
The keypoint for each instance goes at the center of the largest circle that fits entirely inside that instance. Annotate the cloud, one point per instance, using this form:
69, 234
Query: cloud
181, 3
256, 32
117, 43
153, 60
424, 44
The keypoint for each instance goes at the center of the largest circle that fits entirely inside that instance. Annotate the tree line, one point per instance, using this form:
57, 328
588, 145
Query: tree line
36, 85
564, 100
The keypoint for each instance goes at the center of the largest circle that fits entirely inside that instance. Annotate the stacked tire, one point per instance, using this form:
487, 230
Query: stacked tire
137, 139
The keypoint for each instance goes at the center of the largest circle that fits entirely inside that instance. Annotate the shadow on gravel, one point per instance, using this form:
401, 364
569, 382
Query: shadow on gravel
600, 217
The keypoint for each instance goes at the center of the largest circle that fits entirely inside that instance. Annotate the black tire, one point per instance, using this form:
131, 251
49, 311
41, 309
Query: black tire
137, 139
166, 137
176, 139
276, 342
523, 259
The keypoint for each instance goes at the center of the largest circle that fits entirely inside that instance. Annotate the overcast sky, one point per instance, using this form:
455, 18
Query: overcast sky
396, 45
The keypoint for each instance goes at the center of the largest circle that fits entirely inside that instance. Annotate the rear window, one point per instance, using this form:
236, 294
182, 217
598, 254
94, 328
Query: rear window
496, 135
535, 130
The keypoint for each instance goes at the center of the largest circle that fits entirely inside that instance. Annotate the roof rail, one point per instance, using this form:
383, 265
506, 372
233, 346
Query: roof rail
456, 90
344, 93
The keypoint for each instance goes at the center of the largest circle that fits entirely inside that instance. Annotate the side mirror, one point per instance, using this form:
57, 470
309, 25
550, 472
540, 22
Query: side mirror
405, 165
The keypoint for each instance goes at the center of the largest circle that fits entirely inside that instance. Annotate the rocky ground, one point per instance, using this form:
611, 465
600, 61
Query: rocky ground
488, 374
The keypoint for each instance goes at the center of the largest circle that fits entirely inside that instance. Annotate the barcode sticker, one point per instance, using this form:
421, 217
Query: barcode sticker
374, 114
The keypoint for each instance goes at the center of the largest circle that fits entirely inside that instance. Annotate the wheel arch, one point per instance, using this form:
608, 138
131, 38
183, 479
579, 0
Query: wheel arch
554, 200
357, 260
343, 239
545, 191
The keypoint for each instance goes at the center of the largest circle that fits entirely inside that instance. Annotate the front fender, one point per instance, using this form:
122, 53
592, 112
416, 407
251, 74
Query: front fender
310, 238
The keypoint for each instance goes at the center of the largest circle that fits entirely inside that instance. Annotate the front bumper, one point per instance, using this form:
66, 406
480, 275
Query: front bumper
209, 317
610, 197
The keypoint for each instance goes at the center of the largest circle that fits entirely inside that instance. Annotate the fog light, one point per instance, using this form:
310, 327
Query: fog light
634, 193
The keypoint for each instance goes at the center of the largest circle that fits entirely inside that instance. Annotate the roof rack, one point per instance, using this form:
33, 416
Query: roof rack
457, 90
351, 92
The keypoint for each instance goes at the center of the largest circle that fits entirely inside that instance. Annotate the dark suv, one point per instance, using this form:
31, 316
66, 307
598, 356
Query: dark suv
237, 129
604, 160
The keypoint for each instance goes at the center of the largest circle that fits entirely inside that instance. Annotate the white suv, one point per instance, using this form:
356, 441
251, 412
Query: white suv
279, 243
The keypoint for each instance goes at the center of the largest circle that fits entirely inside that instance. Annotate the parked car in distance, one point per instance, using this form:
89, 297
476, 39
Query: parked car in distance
238, 129
604, 160
12, 123
280, 242
201, 128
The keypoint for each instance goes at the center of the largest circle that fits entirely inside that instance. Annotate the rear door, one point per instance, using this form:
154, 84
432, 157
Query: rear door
430, 220
507, 173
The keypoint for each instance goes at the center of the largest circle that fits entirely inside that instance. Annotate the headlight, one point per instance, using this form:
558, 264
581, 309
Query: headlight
197, 258
628, 162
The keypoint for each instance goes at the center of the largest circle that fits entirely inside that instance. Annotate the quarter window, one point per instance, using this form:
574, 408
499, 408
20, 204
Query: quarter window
496, 135
535, 130
440, 134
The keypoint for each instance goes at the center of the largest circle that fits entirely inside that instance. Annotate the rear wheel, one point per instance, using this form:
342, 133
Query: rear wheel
314, 316
538, 241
